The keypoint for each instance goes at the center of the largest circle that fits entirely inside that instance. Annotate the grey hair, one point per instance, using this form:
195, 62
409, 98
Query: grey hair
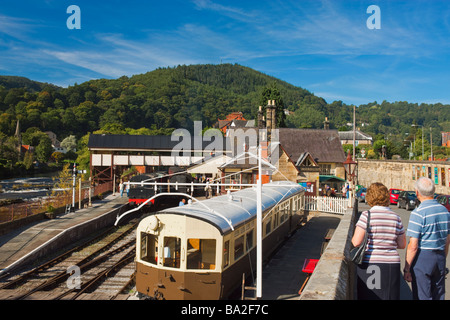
425, 187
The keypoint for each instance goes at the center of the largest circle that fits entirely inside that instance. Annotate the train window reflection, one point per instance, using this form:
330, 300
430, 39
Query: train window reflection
201, 254
172, 248
149, 247
238, 247
249, 240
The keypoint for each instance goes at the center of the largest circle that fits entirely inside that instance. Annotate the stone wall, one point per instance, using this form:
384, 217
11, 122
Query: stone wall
403, 174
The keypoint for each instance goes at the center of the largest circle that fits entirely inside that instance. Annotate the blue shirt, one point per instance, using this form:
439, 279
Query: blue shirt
430, 223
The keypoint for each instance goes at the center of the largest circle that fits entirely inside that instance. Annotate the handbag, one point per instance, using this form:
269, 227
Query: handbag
357, 254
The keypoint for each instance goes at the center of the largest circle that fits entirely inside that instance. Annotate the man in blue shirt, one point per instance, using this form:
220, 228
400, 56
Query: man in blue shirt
429, 232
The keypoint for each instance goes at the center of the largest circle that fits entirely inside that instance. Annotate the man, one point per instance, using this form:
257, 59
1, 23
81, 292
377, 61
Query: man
429, 232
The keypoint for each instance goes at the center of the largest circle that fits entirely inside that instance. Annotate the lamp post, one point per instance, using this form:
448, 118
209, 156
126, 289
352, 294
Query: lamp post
418, 125
350, 167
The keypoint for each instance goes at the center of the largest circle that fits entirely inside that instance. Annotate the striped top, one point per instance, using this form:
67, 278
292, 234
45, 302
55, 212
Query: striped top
430, 223
385, 227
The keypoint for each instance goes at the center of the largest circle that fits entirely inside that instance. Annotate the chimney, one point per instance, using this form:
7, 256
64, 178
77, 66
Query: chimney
270, 111
326, 124
260, 118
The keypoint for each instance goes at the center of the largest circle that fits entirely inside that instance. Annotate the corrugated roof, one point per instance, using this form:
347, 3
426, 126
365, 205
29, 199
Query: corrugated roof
143, 142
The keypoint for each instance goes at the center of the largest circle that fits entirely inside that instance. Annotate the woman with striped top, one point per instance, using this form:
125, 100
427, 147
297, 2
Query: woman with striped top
378, 277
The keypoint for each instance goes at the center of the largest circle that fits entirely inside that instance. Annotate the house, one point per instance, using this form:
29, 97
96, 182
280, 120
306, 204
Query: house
308, 173
360, 137
234, 120
445, 139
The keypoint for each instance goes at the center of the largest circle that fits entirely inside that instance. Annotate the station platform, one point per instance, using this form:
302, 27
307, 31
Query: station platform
282, 275
23, 244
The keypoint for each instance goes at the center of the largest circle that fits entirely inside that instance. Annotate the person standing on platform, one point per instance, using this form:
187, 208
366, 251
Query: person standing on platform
121, 188
378, 277
428, 229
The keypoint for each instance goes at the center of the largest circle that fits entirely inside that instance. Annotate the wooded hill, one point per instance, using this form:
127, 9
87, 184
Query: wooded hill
176, 97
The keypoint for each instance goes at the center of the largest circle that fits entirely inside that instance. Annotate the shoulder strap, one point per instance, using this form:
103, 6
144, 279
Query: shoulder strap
368, 220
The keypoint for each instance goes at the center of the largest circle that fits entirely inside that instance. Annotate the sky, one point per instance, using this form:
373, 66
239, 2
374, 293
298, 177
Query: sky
329, 47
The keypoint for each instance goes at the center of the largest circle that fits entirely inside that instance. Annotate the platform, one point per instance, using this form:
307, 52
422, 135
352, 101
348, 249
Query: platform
24, 243
283, 276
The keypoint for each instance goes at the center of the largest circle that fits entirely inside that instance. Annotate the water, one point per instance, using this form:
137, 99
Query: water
31, 188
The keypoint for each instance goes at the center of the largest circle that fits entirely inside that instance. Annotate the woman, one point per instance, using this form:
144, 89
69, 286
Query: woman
378, 277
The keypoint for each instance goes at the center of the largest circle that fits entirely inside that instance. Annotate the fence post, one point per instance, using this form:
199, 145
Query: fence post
79, 195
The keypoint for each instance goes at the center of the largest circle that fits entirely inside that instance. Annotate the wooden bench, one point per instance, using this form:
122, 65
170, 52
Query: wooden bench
329, 234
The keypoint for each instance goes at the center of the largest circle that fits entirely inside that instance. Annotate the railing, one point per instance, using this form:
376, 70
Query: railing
326, 204
27, 208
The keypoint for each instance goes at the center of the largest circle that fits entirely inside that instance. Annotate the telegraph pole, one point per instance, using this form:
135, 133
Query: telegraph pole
74, 175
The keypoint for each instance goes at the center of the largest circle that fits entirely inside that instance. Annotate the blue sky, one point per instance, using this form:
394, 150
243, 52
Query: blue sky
323, 46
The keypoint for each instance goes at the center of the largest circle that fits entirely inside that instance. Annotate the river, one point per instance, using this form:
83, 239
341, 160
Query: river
28, 188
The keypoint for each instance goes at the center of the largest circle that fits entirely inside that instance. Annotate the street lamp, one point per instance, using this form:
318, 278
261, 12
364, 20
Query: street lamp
350, 166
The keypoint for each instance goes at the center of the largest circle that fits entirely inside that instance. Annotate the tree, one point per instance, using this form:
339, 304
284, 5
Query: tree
28, 160
44, 149
69, 143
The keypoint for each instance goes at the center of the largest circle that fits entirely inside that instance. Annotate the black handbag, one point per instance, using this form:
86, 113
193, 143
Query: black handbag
357, 254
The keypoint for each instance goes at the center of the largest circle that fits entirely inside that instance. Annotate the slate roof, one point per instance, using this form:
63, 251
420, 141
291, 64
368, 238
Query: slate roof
323, 145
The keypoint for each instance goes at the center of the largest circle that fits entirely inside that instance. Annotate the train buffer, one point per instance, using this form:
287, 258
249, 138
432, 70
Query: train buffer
308, 267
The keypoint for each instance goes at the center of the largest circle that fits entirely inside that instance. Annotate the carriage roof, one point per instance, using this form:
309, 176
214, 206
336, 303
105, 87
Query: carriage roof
224, 211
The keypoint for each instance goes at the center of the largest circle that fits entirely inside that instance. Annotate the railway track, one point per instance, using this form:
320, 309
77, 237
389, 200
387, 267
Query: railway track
101, 268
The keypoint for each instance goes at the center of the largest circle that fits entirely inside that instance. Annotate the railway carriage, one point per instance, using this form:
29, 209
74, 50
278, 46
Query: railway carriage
201, 250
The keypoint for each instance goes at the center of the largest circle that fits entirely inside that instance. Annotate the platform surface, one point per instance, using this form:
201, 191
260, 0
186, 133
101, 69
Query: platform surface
18, 243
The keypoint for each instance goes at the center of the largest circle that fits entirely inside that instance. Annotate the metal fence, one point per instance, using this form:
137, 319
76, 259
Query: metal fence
27, 208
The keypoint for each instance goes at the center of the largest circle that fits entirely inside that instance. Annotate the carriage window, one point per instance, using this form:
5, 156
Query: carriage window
269, 225
249, 240
149, 247
238, 247
201, 254
226, 254
283, 215
172, 246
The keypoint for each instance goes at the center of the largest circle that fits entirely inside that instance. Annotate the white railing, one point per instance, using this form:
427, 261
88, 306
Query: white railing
326, 204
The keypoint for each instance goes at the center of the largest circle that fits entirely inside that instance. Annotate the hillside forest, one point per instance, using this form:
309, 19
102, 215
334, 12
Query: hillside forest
159, 101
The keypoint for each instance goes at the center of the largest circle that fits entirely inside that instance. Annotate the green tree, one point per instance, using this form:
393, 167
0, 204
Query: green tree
69, 143
44, 149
